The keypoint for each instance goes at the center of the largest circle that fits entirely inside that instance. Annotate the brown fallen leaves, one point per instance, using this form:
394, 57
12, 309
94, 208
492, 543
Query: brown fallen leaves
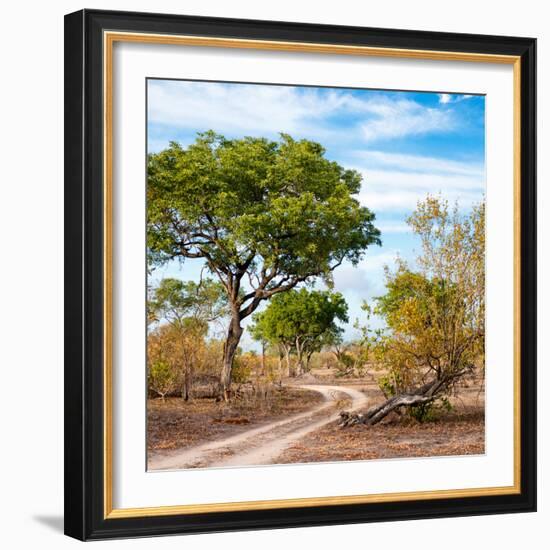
456, 433
174, 423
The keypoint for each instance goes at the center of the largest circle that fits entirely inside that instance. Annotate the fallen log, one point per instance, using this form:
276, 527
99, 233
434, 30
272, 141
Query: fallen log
425, 394
375, 414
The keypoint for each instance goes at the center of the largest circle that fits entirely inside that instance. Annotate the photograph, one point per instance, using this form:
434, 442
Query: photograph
315, 268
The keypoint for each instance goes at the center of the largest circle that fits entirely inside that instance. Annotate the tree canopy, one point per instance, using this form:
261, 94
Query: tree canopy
175, 301
263, 215
301, 320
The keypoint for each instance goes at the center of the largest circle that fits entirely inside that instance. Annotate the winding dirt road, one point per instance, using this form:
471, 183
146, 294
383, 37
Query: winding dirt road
265, 444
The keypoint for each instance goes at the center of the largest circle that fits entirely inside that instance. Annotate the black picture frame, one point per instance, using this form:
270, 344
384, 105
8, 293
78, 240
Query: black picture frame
84, 276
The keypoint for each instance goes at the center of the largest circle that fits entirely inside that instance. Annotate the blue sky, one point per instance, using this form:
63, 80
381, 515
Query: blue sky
405, 144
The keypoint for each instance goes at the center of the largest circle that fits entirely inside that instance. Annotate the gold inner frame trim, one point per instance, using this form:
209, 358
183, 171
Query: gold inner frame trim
109, 39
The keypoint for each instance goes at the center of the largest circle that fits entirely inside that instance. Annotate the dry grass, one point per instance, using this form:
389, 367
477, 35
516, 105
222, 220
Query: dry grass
459, 432
174, 423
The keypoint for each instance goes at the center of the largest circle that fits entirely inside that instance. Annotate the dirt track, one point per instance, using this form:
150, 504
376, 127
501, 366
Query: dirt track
264, 444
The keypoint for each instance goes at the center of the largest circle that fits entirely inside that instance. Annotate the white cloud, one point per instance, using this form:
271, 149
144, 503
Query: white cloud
309, 112
395, 199
347, 277
396, 182
397, 119
389, 227
401, 191
419, 163
199, 105
368, 275
367, 278
377, 258
453, 98
429, 181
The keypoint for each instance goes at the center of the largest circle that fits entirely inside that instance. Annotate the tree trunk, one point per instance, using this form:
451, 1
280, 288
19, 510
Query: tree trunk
185, 359
288, 365
263, 357
299, 358
187, 383
234, 334
308, 360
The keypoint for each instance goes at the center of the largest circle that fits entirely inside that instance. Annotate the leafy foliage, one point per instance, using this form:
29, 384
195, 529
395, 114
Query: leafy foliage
183, 310
351, 359
302, 321
435, 315
174, 300
161, 377
276, 213
164, 360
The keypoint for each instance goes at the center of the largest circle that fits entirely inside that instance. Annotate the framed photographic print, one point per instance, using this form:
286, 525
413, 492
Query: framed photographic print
300, 274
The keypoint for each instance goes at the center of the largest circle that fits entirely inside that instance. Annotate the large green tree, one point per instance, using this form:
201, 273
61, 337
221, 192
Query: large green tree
263, 215
302, 321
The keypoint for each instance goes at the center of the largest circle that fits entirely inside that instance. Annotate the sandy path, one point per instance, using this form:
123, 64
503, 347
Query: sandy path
264, 444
